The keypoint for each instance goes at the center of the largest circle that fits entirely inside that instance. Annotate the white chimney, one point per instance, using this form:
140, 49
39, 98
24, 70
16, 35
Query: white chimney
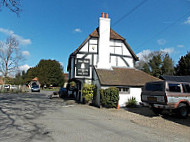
104, 42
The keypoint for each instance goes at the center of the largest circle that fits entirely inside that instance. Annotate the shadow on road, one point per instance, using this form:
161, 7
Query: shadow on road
19, 114
178, 120
146, 111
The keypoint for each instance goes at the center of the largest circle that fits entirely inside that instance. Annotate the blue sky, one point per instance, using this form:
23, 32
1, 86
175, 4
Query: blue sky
55, 28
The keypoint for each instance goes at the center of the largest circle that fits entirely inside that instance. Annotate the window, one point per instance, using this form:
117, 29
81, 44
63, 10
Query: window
155, 86
186, 88
124, 90
174, 87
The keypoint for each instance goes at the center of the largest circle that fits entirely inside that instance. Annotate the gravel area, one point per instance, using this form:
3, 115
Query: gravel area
145, 117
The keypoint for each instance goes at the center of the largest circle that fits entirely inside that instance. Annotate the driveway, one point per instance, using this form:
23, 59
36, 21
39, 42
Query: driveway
33, 117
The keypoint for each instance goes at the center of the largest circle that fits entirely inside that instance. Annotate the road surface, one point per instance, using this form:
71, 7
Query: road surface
32, 117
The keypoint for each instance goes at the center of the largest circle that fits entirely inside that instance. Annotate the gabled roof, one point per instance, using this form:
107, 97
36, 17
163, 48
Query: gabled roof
35, 79
113, 34
95, 34
176, 78
124, 77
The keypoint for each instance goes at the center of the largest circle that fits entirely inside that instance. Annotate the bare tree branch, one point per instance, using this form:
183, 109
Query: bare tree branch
10, 56
13, 5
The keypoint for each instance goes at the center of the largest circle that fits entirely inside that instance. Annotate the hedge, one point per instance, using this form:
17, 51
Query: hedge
88, 92
109, 97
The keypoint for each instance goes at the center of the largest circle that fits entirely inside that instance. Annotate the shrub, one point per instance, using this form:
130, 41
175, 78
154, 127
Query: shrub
87, 92
72, 84
131, 102
109, 97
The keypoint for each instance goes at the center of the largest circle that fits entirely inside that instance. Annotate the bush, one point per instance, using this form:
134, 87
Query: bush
87, 92
131, 102
109, 97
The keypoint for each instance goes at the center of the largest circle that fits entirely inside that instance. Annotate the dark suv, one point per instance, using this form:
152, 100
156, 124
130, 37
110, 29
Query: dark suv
62, 92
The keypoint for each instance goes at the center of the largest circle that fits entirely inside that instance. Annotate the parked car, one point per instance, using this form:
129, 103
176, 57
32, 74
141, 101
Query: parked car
13, 87
167, 95
7, 86
35, 88
62, 92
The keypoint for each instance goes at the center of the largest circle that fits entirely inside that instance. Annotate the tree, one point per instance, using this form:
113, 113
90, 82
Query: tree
30, 74
156, 63
49, 72
10, 56
13, 5
20, 78
183, 66
167, 66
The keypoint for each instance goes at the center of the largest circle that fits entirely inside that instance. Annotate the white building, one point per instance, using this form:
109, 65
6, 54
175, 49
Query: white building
106, 59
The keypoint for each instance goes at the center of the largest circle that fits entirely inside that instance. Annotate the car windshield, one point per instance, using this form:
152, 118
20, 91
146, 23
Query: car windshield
62, 89
36, 86
155, 86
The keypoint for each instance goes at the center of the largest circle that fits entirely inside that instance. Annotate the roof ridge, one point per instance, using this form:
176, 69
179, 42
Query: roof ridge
113, 34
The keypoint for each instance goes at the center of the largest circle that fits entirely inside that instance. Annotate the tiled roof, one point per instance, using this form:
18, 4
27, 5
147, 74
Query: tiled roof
1, 80
124, 77
35, 79
66, 75
113, 34
176, 78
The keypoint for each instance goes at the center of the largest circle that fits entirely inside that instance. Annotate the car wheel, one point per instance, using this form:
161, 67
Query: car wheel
60, 95
50, 96
183, 111
157, 111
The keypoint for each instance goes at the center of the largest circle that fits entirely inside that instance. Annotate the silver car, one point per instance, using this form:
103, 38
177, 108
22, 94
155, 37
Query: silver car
35, 88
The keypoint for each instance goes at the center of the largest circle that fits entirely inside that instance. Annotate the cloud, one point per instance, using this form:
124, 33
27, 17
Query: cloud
25, 53
180, 46
21, 40
168, 50
143, 54
24, 67
61, 63
161, 41
187, 21
77, 30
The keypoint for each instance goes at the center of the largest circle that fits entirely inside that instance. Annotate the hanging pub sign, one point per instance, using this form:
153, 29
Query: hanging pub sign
83, 67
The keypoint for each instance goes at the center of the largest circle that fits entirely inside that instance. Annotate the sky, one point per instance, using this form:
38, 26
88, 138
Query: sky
53, 29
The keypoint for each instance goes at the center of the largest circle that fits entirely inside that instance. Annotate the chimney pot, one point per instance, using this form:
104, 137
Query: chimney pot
103, 15
106, 15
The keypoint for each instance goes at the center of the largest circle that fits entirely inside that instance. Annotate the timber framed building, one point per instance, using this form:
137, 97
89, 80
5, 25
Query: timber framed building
106, 59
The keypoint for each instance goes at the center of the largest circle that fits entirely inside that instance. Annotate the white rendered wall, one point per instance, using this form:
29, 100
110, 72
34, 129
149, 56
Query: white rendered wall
104, 42
125, 50
118, 48
123, 98
93, 45
84, 48
134, 92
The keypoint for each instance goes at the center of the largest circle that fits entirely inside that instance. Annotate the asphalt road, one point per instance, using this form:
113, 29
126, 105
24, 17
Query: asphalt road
33, 117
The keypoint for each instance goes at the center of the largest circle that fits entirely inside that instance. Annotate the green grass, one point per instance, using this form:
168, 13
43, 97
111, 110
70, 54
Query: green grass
51, 89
